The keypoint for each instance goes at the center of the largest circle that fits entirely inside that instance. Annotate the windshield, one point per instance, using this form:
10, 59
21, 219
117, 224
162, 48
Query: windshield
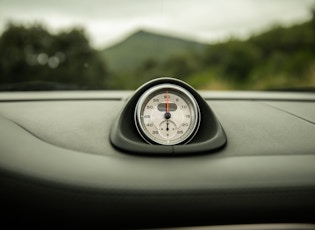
120, 44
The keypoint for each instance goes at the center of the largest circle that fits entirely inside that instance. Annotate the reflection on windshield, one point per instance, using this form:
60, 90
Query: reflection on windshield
33, 56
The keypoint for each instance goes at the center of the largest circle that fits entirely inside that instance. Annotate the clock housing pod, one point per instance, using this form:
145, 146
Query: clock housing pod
125, 135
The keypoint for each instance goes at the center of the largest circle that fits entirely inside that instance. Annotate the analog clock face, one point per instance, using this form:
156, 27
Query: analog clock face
167, 114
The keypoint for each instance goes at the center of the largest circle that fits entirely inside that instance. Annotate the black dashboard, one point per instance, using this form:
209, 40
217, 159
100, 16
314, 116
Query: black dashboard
58, 166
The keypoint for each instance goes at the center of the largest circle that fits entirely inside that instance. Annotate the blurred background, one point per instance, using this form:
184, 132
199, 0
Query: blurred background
212, 45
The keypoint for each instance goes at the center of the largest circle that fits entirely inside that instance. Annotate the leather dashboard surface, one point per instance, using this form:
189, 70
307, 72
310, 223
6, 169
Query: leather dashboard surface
55, 154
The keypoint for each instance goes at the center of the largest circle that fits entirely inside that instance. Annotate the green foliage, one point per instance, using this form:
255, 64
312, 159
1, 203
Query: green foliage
278, 58
182, 65
32, 54
235, 59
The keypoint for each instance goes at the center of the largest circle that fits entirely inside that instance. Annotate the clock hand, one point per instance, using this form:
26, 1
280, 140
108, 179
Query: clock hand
167, 115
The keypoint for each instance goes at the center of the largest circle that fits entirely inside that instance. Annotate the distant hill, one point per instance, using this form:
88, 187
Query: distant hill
140, 46
279, 57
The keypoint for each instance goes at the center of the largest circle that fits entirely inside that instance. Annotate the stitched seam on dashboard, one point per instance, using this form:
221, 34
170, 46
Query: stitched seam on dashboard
43, 140
290, 113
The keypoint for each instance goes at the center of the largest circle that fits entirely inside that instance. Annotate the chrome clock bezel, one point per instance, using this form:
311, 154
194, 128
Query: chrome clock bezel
184, 94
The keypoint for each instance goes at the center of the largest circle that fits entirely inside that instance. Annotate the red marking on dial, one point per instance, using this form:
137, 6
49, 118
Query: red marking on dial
167, 105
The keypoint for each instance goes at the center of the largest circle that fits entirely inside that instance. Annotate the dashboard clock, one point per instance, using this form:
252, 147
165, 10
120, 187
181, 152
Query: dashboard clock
167, 114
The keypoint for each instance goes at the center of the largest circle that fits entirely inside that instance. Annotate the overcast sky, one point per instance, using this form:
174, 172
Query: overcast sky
107, 21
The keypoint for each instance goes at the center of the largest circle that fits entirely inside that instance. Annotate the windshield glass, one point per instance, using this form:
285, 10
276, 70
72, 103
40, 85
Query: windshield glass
120, 44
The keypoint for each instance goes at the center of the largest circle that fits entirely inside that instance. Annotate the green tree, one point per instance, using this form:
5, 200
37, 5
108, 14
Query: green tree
34, 54
234, 59
182, 65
